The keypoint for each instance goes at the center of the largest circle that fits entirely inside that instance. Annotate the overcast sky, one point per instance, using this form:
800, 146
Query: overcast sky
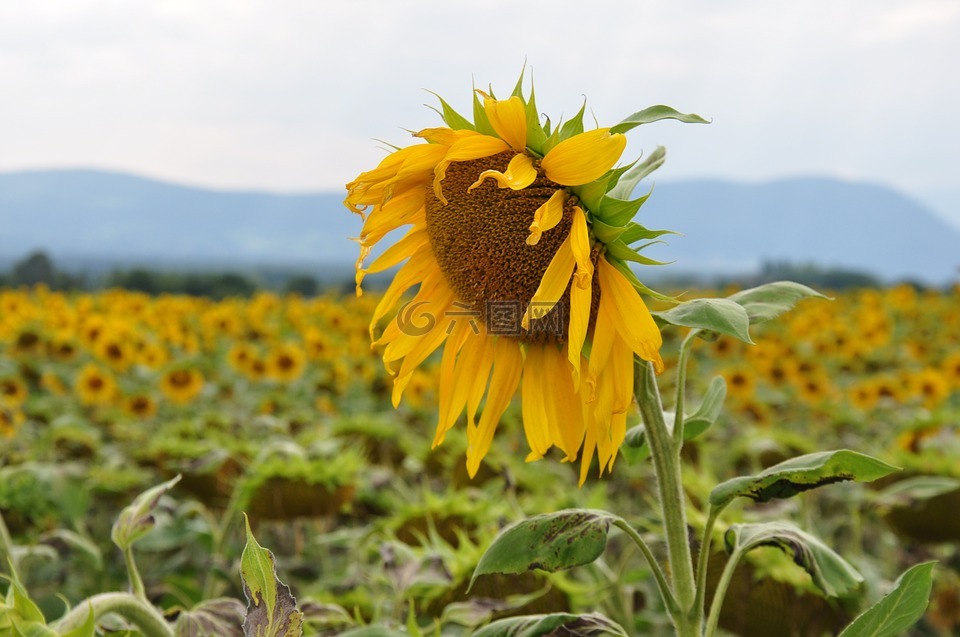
288, 95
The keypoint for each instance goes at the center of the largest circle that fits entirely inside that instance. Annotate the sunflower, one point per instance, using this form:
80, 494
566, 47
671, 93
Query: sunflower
140, 406
95, 385
520, 237
285, 362
181, 386
13, 391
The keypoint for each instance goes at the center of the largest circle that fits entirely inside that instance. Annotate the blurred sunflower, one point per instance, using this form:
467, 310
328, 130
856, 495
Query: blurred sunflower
13, 391
523, 232
10, 421
285, 362
181, 386
95, 386
140, 406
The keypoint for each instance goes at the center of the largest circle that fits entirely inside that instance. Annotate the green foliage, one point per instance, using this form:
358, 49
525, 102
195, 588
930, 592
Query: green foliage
271, 609
899, 609
715, 316
137, 519
556, 624
803, 473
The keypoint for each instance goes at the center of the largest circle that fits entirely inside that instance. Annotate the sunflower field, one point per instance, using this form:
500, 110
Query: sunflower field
275, 409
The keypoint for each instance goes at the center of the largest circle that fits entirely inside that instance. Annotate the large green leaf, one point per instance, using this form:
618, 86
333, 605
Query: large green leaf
271, 609
831, 573
554, 624
899, 609
136, 520
654, 114
790, 477
769, 301
550, 542
720, 316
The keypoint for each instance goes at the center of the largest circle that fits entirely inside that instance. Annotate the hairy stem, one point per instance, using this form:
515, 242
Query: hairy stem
685, 349
666, 462
136, 582
147, 618
703, 558
669, 600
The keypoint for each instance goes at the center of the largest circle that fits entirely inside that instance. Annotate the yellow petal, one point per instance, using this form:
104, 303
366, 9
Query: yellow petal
547, 216
604, 334
413, 271
552, 285
443, 135
629, 314
519, 174
507, 365
465, 149
458, 337
581, 292
508, 118
583, 158
467, 382
535, 402
564, 405
415, 239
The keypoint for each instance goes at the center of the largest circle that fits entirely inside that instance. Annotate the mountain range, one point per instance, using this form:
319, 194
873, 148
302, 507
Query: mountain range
725, 228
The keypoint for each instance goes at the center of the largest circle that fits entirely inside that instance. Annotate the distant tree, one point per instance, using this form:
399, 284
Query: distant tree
35, 268
302, 284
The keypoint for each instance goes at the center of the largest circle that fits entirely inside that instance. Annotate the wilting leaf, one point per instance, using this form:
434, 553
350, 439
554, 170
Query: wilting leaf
271, 609
136, 520
769, 301
654, 114
831, 573
222, 617
719, 316
899, 609
551, 542
554, 624
802, 473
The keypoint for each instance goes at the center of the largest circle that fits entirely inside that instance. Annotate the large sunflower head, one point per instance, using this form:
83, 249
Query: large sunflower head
520, 238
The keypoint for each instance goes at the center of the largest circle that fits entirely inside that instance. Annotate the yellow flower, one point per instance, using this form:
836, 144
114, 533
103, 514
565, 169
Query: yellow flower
181, 386
10, 421
13, 391
95, 385
140, 406
519, 238
285, 362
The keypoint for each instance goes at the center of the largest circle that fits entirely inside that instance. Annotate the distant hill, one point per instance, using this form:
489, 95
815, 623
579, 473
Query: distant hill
728, 228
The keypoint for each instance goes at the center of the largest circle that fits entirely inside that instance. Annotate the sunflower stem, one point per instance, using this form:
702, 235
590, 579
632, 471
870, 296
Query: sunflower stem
143, 615
6, 547
666, 462
685, 349
721, 592
668, 599
702, 560
136, 582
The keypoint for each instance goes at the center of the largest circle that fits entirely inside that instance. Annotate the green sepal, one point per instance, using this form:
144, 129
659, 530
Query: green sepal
635, 282
591, 194
628, 183
620, 250
654, 114
536, 134
480, 120
618, 212
575, 125
451, 117
605, 232
635, 232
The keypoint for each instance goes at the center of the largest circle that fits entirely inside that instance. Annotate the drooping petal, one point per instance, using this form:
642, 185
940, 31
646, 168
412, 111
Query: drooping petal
465, 149
552, 285
583, 158
446, 389
415, 238
412, 272
629, 314
507, 366
519, 174
535, 402
564, 408
581, 292
547, 216
508, 118
444, 135
468, 379
604, 335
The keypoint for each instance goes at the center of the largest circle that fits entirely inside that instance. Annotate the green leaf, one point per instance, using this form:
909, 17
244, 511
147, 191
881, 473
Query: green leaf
769, 301
917, 489
30, 629
830, 573
554, 624
480, 120
551, 542
373, 631
628, 183
620, 250
635, 232
720, 316
802, 473
136, 520
635, 282
19, 601
654, 114
271, 609
87, 628
536, 135
605, 232
899, 609
222, 617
